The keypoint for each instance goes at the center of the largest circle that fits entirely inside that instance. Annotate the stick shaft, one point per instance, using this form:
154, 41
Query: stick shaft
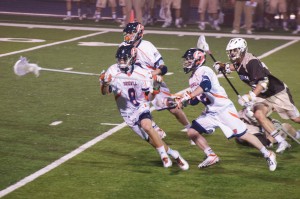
224, 74
288, 134
91, 74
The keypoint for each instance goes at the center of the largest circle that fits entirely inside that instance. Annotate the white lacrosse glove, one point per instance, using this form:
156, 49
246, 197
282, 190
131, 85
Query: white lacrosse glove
104, 77
184, 100
247, 99
219, 66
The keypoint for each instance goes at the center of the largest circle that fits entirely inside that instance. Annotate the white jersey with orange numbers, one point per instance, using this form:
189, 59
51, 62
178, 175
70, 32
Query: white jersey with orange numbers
216, 99
129, 91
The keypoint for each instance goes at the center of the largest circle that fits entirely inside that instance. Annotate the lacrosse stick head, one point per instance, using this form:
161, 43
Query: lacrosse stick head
22, 67
202, 44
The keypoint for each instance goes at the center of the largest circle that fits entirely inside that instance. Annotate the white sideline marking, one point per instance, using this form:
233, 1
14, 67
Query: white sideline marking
60, 161
101, 137
52, 44
109, 124
55, 123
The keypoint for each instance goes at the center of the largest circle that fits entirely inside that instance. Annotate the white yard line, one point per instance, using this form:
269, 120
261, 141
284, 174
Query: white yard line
52, 44
101, 137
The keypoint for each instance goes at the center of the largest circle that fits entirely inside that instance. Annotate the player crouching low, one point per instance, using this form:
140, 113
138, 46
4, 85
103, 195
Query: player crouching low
219, 110
132, 87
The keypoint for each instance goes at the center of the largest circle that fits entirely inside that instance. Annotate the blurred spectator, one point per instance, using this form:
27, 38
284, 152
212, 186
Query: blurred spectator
211, 7
185, 12
122, 4
101, 4
69, 10
242, 7
259, 15
137, 6
165, 12
148, 17
273, 8
297, 18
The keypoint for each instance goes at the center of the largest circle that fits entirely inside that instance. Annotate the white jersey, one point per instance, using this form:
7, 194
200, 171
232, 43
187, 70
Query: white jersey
129, 92
216, 99
148, 55
220, 111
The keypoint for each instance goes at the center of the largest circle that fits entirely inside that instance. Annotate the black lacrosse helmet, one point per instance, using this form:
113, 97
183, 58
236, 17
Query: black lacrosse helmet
133, 32
192, 59
126, 57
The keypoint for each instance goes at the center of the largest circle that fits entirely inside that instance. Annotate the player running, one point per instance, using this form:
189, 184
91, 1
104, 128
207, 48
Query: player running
267, 93
132, 88
219, 110
150, 59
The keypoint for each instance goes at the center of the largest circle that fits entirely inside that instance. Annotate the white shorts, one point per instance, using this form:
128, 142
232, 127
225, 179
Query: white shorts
228, 120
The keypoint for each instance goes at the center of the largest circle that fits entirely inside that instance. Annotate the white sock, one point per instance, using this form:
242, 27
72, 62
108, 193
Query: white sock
114, 16
275, 134
216, 22
187, 126
79, 12
208, 151
69, 13
161, 151
265, 151
173, 153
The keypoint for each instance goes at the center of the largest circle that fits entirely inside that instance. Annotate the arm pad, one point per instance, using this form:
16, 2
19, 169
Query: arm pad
205, 84
164, 69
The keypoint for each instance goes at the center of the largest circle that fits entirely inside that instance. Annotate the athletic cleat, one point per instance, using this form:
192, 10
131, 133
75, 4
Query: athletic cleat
160, 132
235, 31
166, 24
182, 163
282, 146
166, 162
67, 18
201, 26
209, 160
271, 160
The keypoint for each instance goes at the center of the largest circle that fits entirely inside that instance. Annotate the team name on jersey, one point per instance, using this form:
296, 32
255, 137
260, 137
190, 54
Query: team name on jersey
244, 78
129, 83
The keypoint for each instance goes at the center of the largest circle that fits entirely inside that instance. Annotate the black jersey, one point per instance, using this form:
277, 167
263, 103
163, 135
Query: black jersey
252, 71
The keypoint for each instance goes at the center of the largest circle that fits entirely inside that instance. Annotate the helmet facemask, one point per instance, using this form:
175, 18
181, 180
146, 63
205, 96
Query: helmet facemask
125, 65
235, 54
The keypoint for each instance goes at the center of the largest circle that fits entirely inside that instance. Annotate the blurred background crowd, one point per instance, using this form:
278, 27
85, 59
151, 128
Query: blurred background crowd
245, 15
241, 16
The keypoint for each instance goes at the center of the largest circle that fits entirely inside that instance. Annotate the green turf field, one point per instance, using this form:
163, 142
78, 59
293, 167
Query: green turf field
122, 165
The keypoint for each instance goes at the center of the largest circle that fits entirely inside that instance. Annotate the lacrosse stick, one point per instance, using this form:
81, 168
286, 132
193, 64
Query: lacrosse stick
280, 127
23, 67
202, 44
288, 134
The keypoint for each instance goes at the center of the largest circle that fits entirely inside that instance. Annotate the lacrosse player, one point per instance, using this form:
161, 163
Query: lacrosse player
267, 93
132, 88
150, 59
219, 109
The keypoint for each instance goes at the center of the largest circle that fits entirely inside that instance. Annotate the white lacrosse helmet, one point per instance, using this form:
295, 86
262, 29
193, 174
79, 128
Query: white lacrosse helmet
236, 49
